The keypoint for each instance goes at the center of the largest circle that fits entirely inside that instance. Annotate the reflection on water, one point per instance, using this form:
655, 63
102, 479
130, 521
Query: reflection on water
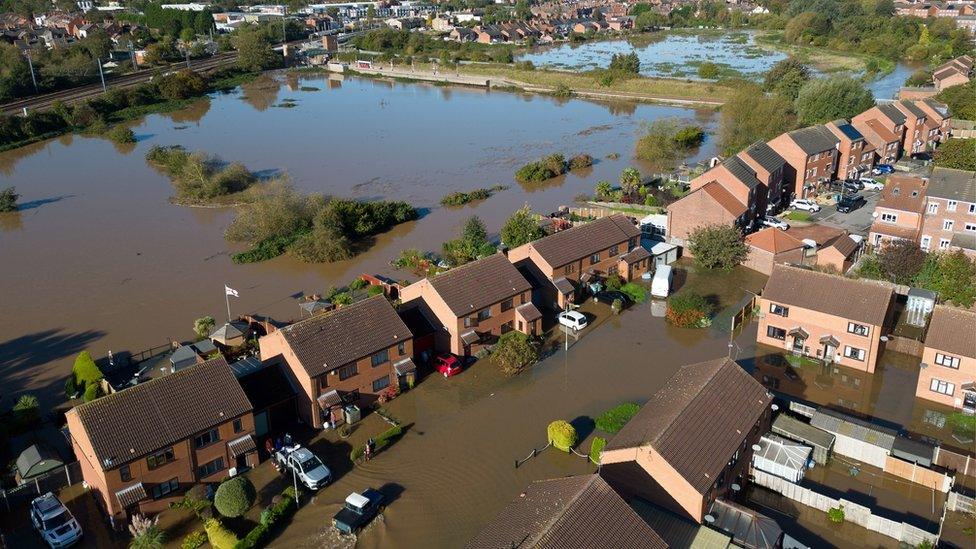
674, 54
120, 260
888, 85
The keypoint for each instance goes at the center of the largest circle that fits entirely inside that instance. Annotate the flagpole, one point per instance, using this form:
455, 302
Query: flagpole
227, 300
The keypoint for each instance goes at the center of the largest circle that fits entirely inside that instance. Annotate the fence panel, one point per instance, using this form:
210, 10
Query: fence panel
52, 481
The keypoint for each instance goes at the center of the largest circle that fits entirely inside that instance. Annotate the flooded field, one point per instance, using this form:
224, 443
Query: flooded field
99, 259
674, 54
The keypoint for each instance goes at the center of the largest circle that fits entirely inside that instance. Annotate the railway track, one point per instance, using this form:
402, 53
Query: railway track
86, 91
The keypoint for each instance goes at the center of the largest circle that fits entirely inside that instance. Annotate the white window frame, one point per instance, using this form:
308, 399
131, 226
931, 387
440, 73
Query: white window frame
947, 361
951, 206
858, 329
943, 244
779, 310
926, 243
942, 387
933, 208
854, 353
972, 208
889, 217
947, 224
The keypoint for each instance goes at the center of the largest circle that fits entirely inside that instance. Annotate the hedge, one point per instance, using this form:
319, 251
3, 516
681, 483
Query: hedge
85, 370
596, 447
615, 418
219, 536
382, 441
562, 435
270, 518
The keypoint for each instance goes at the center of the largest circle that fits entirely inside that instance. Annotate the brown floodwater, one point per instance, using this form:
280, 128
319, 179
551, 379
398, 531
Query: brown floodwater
98, 258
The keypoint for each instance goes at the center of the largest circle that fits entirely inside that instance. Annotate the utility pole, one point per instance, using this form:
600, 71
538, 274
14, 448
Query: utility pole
30, 64
100, 73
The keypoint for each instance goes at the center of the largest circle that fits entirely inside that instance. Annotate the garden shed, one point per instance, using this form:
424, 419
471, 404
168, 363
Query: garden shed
856, 438
782, 457
35, 461
796, 429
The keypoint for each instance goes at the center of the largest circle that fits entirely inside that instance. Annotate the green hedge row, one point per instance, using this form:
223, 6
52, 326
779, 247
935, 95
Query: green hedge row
382, 441
270, 518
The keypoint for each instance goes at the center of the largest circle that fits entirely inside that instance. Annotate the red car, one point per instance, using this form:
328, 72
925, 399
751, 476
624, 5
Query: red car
449, 365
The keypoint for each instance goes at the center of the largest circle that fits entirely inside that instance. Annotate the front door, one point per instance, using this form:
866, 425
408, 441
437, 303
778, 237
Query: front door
828, 352
798, 344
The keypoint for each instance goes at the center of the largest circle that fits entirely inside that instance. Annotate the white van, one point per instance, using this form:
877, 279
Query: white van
661, 285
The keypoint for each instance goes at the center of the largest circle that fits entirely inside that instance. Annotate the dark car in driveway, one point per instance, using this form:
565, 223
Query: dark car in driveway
609, 296
849, 203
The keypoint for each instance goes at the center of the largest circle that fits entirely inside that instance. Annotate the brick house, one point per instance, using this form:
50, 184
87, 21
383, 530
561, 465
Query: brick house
938, 115
580, 511
711, 204
691, 441
471, 305
950, 212
738, 178
856, 155
888, 123
917, 137
352, 352
770, 246
558, 264
823, 316
768, 166
948, 369
839, 253
811, 158
953, 72
142, 447
899, 212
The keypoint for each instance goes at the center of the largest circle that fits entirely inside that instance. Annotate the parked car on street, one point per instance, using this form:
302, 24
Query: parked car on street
303, 464
871, 184
573, 320
54, 522
358, 510
805, 204
849, 203
882, 169
448, 365
769, 221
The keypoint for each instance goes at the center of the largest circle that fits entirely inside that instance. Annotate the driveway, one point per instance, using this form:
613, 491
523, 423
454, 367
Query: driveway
857, 222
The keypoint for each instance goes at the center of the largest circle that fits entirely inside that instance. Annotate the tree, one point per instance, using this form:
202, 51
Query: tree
649, 20
234, 496
470, 245
162, 52
954, 153
85, 371
717, 246
820, 101
900, 261
182, 85
920, 77
603, 190
627, 63
8, 200
514, 351
562, 435
27, 411
146, 533
203, 326
786, 78
254, 52
630, 180
15, 78
521, 228
961, 100
708, 70
952, 275
749, 116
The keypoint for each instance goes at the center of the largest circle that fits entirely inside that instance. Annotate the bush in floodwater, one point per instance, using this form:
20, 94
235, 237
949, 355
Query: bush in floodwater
634, 291
121, 134
561, 434
836, 514
581, 160
549, 167
8, 200
614, 419
688, 310
597, 446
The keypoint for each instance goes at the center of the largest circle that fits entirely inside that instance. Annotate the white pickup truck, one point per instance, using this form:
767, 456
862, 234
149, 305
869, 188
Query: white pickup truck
302, 463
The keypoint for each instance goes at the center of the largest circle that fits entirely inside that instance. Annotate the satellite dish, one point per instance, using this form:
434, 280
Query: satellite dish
736, 487
884, 338
756, 447
709, 519
774, 407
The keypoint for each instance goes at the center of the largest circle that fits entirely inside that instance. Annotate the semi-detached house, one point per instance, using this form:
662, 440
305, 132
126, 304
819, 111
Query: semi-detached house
811, 158
557, 265
950, 212
472, 305
352, 353
856, 155
768, 166
888, 123
823, 316
899, 212
948, 368
142, 447
919, 137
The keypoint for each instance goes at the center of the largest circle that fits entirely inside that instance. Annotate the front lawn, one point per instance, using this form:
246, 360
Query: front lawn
797, 215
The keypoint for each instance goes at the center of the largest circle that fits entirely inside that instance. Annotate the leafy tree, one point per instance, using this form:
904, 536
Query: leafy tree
961, 100
956, 153
521, 228
203, 326
182, 85
649, 20
820, 101
93, 391
630, 180
562, 435
146, 533
717, 247
749, 116
254, 52
708, 70
85, 371
952, 275
514, 351
900, 261
689, 137
162, 52
470, 245
234, 496
786, 78
15, 78
603, 190
627, 63
920, 77
8, 199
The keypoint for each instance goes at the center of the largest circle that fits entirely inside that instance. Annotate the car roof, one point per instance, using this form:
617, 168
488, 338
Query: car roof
48, 505
302, 454
357, 500
574, 314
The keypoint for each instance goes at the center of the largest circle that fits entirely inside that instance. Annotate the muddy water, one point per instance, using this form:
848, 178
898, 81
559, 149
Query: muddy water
98, 259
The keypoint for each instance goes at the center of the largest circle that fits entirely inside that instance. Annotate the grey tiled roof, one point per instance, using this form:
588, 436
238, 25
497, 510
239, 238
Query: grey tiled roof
765, 156
814, 139
953, 184
742, 171
892, 112
912, 108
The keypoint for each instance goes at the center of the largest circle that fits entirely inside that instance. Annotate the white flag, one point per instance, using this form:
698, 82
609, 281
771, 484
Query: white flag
231, 291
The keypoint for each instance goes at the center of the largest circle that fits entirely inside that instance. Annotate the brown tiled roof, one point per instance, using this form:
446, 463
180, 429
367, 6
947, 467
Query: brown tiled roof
952, 330
821, 234
862, 300
698, 420
580, 512
330, 340
773, 240
724, 198
132, 423
904, 193
844, 244
882, 131
582, 241
476, 285
636, 255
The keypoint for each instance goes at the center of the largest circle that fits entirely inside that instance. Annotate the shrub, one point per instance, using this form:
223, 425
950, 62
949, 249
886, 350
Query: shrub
963, 422
121, 134
634, 291
521, 228
8, 199
614, 419
358, 284
146, 533
70, 388
374, 290
381, 441
547, 168
514, 351
836, 514
596, 447
85, 371
582, 160
194, 540
219, 536
203, 326
613, 282
92, 392
234, 497
688, 310
561, 434
27, 411
717, 247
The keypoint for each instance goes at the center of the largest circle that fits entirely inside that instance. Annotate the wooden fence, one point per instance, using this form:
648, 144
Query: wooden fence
919, 475
960, 463
48, 482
